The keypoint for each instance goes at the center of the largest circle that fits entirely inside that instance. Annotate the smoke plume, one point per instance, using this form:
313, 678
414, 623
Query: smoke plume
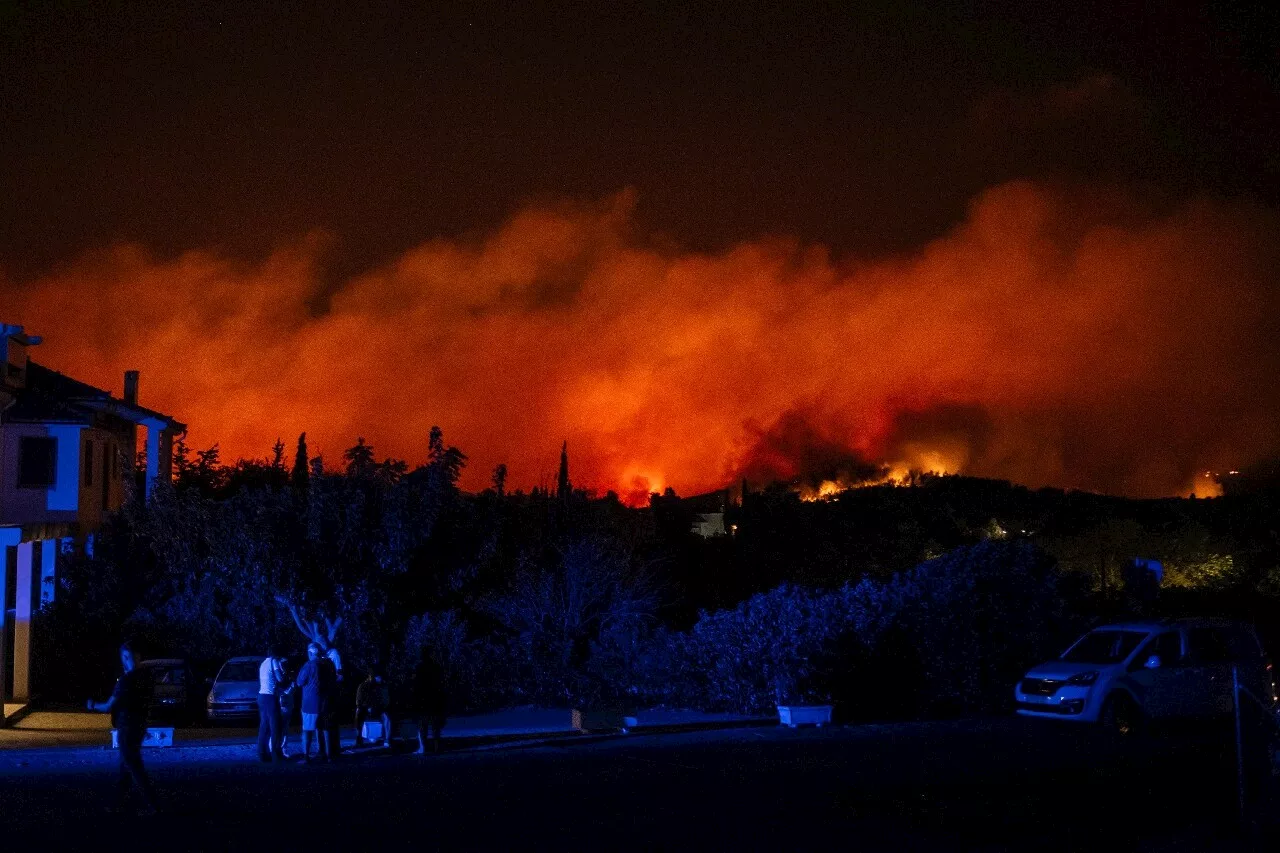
1055, 337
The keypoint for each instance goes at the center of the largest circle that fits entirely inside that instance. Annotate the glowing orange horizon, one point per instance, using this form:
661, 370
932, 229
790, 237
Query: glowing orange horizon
1051, 338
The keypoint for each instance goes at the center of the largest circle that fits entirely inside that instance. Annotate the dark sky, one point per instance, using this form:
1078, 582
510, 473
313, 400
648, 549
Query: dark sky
858, 125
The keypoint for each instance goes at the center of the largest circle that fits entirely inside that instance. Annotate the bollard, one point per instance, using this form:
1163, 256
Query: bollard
1235, 701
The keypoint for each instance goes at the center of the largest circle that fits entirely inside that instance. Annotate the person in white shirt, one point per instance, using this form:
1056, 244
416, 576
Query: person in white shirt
332, 729
287, 702
270, 681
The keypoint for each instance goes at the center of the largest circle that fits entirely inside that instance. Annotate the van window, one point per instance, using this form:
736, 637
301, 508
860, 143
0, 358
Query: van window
1207, 645
1167, 646
1242, 644
1103, 647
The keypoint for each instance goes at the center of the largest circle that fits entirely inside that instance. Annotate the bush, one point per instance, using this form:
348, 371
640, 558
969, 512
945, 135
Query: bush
949, 636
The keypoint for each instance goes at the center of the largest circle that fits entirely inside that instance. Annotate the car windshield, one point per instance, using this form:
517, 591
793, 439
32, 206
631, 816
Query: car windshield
1104, 647
167, 675
240, 670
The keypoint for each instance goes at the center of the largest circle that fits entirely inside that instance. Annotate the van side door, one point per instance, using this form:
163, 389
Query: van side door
1209, 669
1161, 690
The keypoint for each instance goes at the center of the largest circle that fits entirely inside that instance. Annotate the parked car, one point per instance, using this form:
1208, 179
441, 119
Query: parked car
174, 695
1124, 674
234, 694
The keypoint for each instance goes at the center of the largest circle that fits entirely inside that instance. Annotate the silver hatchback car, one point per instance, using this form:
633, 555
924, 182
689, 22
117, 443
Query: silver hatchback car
1128, 672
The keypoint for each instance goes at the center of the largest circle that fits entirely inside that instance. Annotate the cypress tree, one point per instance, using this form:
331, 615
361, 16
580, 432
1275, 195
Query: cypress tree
300, 477
562, 481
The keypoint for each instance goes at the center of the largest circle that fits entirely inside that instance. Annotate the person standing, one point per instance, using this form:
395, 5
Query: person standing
373, 702
287, 702
331, 692
431, 699
270, 683
333, 716
311, 680
128, 709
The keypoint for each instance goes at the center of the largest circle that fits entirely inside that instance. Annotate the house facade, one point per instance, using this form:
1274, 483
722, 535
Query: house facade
68, 456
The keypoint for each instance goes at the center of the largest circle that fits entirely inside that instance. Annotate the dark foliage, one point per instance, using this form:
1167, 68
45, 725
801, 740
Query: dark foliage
890, 601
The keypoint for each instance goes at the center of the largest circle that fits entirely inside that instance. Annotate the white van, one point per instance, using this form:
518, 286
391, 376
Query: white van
1122, 674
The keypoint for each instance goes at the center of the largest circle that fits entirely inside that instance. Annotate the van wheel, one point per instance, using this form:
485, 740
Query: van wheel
1121, 715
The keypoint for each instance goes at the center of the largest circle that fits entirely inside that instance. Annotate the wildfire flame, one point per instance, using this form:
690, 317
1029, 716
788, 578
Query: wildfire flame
1052, 338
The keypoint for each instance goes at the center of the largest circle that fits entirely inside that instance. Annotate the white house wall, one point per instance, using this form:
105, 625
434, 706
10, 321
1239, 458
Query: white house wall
65, 494
40, 505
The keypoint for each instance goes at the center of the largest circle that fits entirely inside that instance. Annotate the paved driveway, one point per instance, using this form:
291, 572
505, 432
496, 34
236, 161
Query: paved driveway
990, 784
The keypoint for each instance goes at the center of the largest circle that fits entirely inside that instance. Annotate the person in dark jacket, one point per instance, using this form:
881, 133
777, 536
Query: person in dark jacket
128, 709
314, 682
431, 700
373, 702
330, 704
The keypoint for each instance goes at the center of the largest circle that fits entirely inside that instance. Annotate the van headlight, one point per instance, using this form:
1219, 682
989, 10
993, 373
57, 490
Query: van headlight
1083, 679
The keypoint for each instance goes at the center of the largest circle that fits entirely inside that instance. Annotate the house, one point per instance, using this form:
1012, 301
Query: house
709, 513
67, 453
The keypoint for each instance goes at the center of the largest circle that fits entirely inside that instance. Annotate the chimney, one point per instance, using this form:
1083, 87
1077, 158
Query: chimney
13, 355
131, 387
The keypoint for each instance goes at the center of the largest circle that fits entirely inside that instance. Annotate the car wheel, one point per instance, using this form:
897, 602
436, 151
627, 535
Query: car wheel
1121, 715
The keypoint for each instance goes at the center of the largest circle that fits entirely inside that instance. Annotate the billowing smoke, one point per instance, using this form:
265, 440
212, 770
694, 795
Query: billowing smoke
1054, 337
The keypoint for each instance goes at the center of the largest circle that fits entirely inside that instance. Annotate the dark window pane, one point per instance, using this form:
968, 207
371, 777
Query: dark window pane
1166, 646
1104, 647
88, 463
1243, 645
1169, 647
240, 671
37, 461
1207, 646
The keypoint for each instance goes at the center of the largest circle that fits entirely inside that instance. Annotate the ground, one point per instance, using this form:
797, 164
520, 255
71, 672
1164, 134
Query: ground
990, 784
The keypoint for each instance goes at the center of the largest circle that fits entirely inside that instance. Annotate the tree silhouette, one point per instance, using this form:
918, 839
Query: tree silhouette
360, 461
300, 475
562, 480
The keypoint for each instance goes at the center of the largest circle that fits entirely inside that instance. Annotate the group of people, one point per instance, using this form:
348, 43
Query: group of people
320, 682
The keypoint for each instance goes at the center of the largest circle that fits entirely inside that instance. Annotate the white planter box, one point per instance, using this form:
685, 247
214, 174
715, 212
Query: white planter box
156, 736
601, 721
804, 715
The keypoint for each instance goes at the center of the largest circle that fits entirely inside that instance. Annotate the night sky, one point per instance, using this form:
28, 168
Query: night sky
782, 240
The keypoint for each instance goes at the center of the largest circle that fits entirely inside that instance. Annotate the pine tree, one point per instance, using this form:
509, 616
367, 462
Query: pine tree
277, 455
300, 476
562, 481
360, 459
500, 480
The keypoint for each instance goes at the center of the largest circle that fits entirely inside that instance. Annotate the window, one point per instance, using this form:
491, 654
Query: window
1166, 646
240, 670
37, 461
1207, 646
88, 463
168, 675
1103, 647
1243, 645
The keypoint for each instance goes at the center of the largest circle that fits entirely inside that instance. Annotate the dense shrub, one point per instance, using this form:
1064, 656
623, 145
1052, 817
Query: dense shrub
948, 636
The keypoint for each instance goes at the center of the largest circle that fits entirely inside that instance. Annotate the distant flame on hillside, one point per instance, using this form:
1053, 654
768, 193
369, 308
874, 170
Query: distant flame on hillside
1055, 337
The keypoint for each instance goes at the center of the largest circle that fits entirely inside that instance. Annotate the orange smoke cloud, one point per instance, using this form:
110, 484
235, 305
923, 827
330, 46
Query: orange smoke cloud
1053, 337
